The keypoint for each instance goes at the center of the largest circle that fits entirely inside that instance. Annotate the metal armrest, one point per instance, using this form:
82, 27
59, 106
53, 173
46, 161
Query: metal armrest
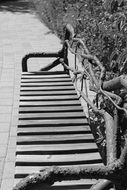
32, 55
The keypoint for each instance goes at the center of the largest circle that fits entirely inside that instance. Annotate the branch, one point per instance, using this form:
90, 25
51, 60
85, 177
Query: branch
74, 71
112, 95
123, 157
94, 108
80, 42
93, 76
108, 95
51, 65
90, 58
69, 32
53, 174
116, 83
94, 58
111, 138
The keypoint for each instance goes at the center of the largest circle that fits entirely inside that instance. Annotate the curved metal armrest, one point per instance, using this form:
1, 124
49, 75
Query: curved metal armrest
32, 55
69, 33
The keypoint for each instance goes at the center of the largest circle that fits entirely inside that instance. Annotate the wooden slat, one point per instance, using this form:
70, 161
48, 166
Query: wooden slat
47, 93
50, 103
46, 84
47, 88
54, 122
50, 80
51, 109
44, 77
56, 139
42, 98
59, 148
45, 73
71, 129
39, 76
52, 159
78, 182
51, 115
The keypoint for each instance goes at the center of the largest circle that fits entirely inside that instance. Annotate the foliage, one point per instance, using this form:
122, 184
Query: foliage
100, 24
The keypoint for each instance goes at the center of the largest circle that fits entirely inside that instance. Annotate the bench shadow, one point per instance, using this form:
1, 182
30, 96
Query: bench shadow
16, 6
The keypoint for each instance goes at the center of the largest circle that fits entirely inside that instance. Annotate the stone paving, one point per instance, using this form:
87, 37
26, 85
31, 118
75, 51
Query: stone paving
20, 32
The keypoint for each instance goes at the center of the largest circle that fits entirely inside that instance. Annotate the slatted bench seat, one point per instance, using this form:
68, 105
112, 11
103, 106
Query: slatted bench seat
52, 128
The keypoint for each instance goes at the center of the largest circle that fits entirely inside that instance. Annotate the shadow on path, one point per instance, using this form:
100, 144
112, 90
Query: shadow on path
16, 6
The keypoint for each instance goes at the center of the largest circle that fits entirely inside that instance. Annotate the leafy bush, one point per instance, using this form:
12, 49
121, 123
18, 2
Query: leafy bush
98, 23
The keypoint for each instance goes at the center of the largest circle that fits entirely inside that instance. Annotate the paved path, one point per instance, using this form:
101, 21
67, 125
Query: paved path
20, 32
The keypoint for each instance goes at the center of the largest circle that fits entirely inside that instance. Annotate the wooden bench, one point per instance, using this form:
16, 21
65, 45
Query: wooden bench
52, 128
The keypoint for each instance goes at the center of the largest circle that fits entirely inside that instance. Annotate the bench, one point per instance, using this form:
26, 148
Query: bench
53, 129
